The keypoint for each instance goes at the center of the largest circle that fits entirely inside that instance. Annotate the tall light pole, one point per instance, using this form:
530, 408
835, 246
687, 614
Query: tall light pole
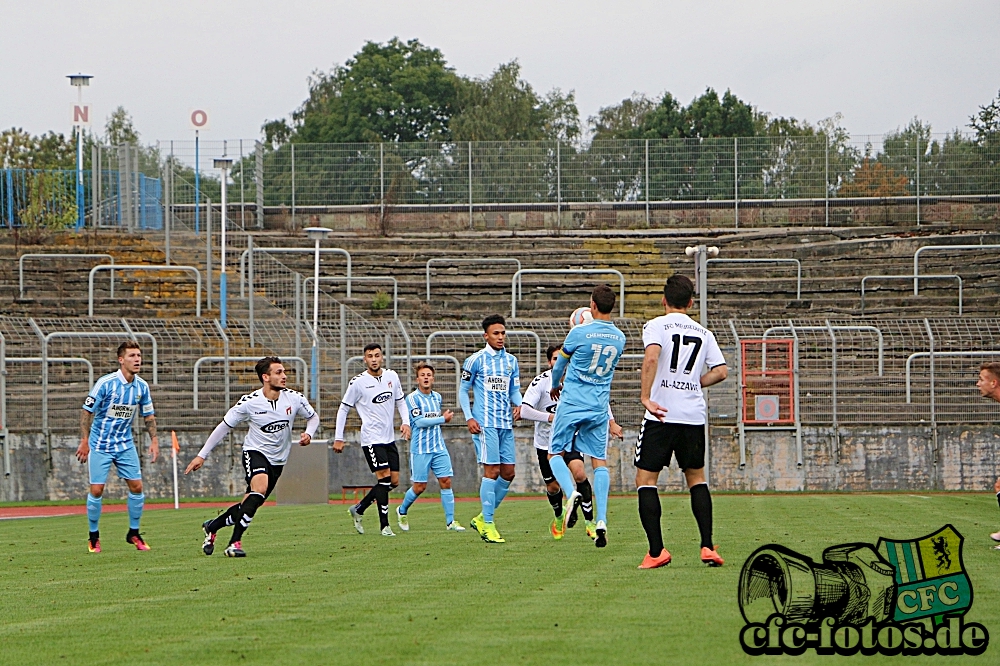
316, 234
701, 254
223, 164
78, 81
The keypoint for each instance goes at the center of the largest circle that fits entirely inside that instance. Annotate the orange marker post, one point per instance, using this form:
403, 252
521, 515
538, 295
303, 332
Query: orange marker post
174, 450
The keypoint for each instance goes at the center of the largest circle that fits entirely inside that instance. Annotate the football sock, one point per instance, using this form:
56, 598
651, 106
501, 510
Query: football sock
587, 499
701, 507
649, 515
487, 497
227, 519
382, 499
248, 508
555, 499
998, 498
503, 485
93, 511
367, 500
562, 474
135, 505
602, 484
409, 498
448, 504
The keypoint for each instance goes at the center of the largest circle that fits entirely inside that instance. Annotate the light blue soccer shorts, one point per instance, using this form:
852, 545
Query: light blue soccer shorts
494, 446
590, 427
126, 464
421, 463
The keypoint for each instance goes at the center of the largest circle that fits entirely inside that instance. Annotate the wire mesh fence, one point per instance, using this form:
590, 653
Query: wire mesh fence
861, 384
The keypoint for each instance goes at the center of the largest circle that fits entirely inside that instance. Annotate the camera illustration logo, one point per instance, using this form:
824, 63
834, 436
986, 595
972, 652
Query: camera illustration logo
899, 597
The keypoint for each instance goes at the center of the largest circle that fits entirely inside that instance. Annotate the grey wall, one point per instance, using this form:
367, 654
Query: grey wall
870, 458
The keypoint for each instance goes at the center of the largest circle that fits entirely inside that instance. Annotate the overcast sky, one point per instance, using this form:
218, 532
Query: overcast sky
878, 63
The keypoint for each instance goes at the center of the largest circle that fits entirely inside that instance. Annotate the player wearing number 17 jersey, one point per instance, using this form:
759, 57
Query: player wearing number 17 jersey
588, 357
681, 358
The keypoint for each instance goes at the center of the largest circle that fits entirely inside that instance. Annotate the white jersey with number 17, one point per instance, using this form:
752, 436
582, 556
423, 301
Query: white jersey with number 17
687, 349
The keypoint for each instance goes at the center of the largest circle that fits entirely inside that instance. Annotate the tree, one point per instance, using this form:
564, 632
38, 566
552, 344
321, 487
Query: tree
505, 107
622, 120
387, 92
986, 124
21, 150
119, 128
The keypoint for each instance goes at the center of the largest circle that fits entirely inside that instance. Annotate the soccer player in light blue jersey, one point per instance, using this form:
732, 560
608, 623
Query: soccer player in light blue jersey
427, 449
493, 376
106, 438
588, 358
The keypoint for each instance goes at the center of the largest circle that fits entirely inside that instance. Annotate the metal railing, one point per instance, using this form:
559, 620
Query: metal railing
940, 248
395, 288
515, 283
302, 375
798, 268
463, 260
37, 255
287, 250
510, 334
144, 267
910, 277
4, 431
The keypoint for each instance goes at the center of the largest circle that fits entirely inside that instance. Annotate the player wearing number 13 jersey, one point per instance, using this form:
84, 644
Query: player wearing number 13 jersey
588, 357
681, 358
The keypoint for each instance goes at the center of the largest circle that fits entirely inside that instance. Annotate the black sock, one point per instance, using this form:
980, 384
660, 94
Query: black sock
649, 515
94, 536
367, 500
226, 519
701, 507
249, 507
382, 489
587, 499
555, 499
998, 498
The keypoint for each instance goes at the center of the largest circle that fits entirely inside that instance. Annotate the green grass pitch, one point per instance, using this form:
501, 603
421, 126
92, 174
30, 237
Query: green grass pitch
312, 591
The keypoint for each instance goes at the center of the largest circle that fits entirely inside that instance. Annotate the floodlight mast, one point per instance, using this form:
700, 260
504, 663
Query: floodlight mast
78, 81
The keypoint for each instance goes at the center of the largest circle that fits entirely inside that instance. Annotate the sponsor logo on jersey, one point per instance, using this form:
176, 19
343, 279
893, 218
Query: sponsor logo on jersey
551, 409
288, 410
258, 413
89, 402
273, 427
385, 396
466, 375
415, 411
497, 384
121, 411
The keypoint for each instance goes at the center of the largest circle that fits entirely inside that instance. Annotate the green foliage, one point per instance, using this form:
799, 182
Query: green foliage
119, 128
21, 150
986, 124
381, 301
51, 201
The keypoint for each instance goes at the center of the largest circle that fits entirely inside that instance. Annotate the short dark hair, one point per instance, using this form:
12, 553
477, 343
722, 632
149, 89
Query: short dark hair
128, 344
550, 350
678, 291
492, 320
263, 366
421, 366
370, 347
604, 298
992, 367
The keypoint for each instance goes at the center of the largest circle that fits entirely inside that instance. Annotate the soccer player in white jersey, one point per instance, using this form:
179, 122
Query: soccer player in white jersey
538, 406
106, 438
427, 449
271, 411
588, 358
681, 358
376, 393
493, 376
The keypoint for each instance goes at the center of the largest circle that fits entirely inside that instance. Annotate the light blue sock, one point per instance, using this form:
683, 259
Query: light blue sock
602, 484
562, 474
503, 485
487, 495
448, 504
93, 511
135, 504
408, 499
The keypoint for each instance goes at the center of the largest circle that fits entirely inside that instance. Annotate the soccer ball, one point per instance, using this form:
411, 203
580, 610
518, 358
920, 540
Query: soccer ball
580, 316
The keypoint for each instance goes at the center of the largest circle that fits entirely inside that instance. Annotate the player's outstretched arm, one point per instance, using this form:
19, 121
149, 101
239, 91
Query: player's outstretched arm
83, 451
154, 443
213, 440
649, 362
311, 426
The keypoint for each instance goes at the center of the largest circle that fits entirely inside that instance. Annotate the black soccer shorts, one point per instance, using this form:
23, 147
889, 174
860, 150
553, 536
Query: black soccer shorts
543, 462
658, 441
382, 456
254, 463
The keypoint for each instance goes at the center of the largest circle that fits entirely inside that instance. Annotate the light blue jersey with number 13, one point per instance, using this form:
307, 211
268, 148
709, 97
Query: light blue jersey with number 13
594, 350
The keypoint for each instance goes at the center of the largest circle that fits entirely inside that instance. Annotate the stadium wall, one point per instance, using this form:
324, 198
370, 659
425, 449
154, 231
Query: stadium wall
871, 458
